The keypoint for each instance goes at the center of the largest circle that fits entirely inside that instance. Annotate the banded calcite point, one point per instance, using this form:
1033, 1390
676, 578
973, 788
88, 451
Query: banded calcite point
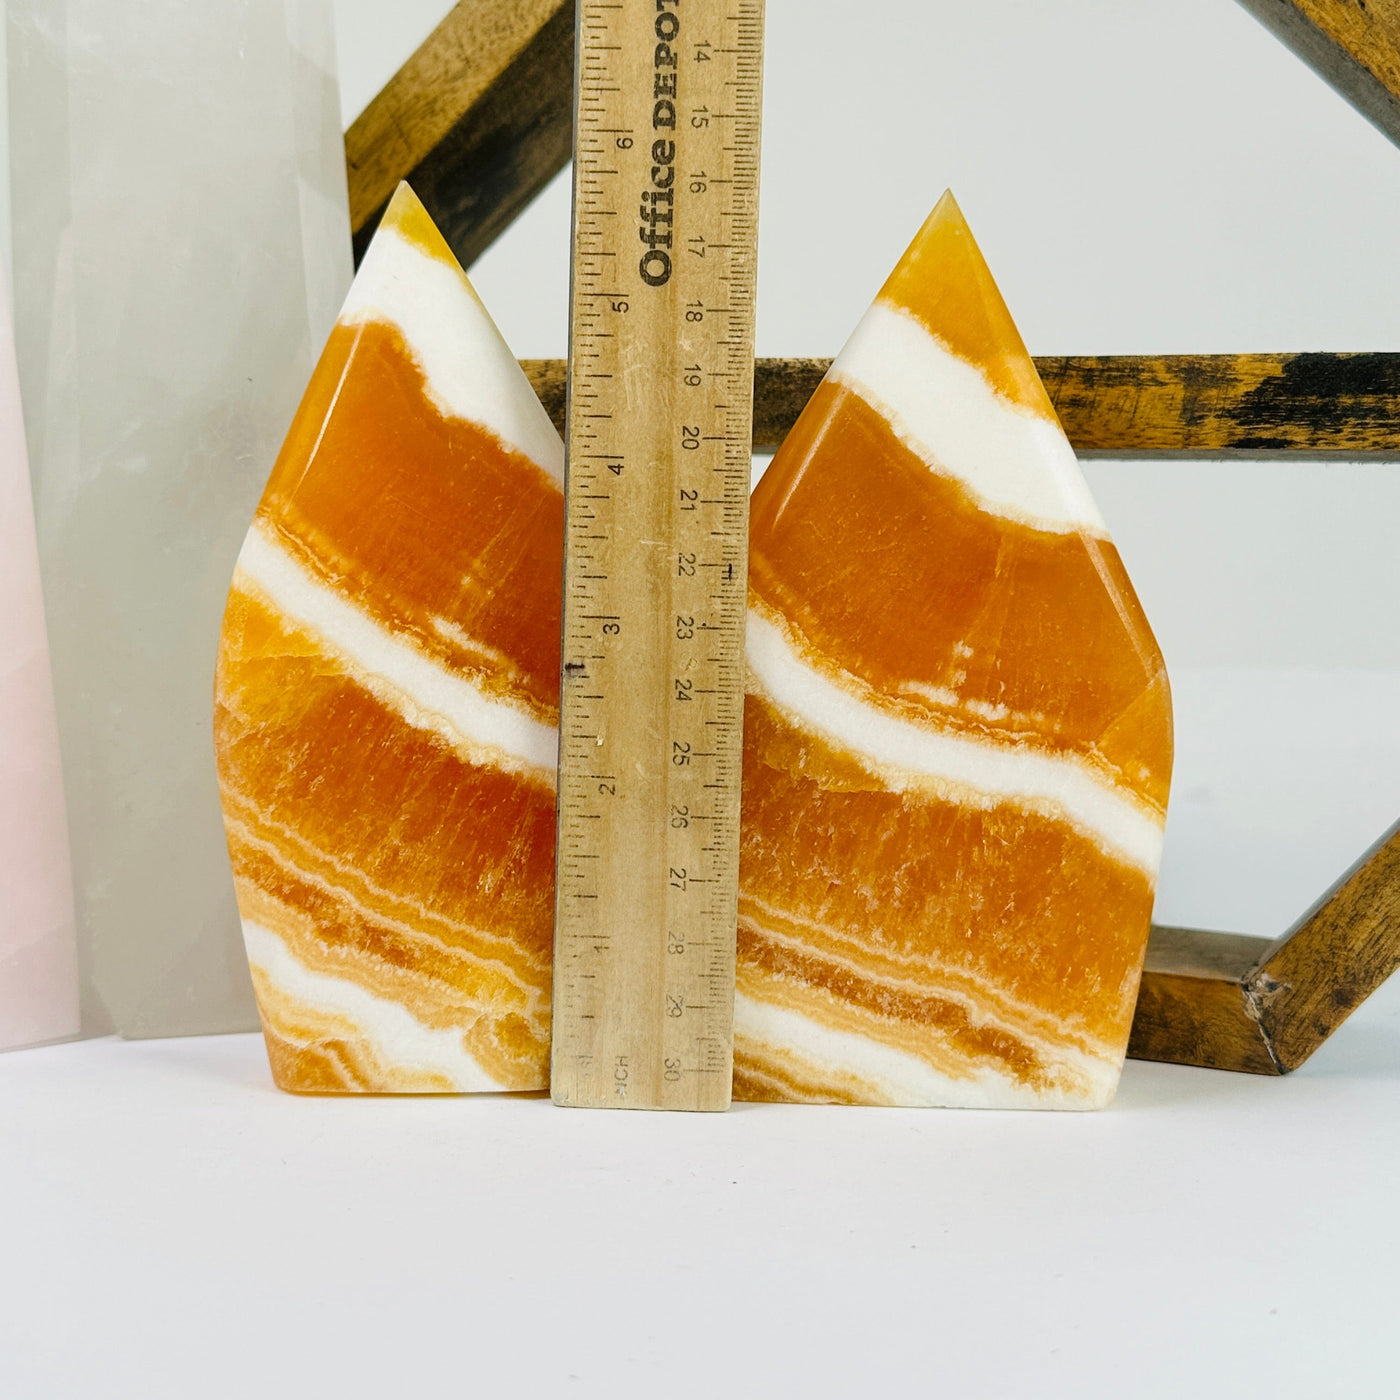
958, 729
387, 698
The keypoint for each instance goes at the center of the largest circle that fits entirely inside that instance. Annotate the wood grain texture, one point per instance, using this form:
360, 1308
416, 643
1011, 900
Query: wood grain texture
477, 121
1192, 1008
1353, 44
1230, 1002
1339, 405
1314, 977
1312, 405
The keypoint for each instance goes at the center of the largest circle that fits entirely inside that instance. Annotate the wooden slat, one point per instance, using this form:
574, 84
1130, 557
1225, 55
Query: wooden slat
1353, 44
1314, 977
1230, 1002
1345, 405
477, 121
1320, 405
1192, 1009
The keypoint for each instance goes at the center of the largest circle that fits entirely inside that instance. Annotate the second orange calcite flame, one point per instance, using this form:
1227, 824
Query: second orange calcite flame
958, 729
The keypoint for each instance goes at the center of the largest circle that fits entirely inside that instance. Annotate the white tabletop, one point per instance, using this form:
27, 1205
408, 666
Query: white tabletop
173, 1226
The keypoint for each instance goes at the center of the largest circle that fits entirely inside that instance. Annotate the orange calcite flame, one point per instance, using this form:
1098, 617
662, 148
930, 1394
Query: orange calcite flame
958, 726
387, 699
958, 729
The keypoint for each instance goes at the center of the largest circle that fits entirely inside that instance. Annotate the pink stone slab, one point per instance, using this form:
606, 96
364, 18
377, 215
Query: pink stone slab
38, 943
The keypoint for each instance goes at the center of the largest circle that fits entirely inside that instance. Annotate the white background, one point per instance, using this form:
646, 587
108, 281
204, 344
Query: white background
1143, 175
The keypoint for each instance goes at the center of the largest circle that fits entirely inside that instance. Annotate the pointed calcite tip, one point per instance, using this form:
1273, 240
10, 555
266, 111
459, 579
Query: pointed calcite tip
944, 282
387, 698
406, 216
957, 738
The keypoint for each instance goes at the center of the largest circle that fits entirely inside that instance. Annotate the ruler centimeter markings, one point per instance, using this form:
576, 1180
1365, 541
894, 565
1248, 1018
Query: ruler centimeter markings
667, 105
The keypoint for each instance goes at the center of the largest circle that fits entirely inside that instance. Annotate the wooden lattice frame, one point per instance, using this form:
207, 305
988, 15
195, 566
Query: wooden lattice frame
479, 120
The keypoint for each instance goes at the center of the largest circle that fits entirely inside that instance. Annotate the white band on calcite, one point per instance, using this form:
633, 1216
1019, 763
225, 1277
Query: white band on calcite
467, 366
419, 1054
1011, 461
973, 770
881, 1074
425, 694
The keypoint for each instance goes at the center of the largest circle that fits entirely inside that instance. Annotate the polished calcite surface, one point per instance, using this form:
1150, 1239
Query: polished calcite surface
958, 729
387, 698
38, 942
181, 245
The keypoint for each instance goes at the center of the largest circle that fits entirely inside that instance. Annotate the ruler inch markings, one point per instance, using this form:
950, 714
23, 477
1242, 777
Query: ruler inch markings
667, 101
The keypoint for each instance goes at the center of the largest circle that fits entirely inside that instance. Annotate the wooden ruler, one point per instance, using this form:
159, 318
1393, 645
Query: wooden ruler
668, 97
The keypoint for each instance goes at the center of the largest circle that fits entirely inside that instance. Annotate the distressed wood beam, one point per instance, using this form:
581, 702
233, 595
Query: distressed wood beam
1353, 44
1230, 1002
477, 121
1322, 405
